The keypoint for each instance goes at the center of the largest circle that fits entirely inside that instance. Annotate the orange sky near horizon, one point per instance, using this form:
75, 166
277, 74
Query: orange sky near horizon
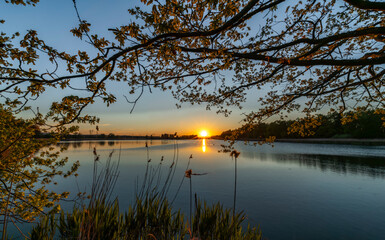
142, 124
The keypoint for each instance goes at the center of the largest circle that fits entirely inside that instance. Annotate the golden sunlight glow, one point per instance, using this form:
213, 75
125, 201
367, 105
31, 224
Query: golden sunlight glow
203, 145
203, 133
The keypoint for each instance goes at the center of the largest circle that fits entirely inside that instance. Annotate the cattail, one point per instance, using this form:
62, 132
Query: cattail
188, 173
235, 153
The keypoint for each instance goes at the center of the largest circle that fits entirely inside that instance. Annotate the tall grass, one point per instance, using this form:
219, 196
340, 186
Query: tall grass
217, 222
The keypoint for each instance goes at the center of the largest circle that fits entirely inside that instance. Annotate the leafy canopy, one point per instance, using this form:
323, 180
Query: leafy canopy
27, 165
295, 55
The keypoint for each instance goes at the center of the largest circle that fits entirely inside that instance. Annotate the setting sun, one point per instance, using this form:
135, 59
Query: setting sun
203, 133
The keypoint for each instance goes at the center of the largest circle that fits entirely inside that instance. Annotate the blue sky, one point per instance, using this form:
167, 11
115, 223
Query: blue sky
155, 113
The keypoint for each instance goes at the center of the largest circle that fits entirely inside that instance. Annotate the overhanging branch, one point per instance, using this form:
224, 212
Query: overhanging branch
367, 5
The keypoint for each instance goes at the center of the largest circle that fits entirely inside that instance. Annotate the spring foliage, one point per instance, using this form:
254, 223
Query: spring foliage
293, 55
27, 165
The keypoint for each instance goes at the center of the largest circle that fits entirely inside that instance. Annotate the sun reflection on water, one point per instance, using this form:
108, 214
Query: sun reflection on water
203, 145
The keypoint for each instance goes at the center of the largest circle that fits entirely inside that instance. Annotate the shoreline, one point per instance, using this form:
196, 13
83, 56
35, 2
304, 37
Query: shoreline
352, 141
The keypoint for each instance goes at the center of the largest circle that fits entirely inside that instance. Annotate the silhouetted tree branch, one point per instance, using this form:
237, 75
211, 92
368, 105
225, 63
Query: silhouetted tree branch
309, 54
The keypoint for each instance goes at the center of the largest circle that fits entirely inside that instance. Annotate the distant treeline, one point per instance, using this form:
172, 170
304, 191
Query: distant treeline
362, 124
112, 136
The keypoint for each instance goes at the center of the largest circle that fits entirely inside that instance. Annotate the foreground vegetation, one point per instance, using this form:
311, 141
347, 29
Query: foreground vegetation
148, 218
27, 167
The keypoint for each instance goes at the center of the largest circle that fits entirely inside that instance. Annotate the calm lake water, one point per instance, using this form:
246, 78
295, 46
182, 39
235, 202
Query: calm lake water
293, 191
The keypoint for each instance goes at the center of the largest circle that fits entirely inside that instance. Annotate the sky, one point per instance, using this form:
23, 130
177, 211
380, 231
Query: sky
155, 113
